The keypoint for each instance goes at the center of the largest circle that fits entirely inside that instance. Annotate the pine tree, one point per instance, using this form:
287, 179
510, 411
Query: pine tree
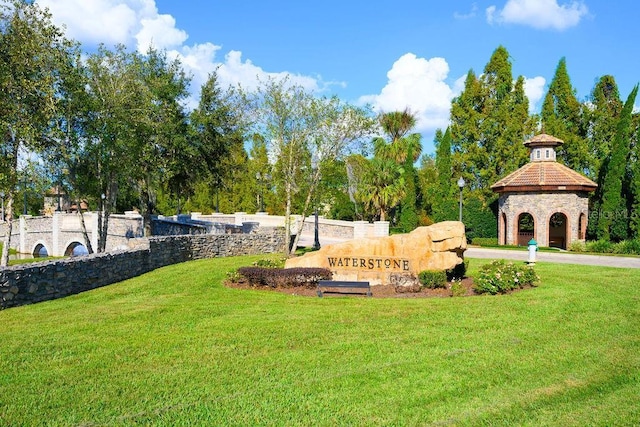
562, 118
613, 223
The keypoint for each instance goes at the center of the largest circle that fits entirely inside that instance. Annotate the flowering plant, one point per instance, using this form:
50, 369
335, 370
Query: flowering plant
499, 277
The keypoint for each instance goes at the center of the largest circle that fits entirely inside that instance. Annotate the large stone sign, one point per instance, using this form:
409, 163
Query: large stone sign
385, 260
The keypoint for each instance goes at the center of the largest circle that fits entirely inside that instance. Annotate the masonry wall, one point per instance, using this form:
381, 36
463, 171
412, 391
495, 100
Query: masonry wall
36, 282
541, 207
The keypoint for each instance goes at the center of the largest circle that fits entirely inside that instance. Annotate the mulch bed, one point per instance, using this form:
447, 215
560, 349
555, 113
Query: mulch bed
379, 291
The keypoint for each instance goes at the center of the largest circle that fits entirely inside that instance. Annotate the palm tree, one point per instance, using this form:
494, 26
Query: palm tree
383, 186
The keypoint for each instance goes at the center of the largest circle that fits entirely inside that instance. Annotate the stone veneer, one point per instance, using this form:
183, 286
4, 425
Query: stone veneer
42, 281
541, 206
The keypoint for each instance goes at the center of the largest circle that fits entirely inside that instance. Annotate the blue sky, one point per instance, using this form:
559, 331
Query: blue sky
390, 54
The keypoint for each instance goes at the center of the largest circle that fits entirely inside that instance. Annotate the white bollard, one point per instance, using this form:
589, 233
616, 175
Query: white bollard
533, 247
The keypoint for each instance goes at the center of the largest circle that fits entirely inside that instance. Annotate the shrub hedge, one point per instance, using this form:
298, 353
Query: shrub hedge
284, 277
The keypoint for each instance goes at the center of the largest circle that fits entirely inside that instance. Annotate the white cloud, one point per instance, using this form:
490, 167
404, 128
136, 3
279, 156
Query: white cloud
417, 84
539, 14
534, 89
159, 32
468, 15
137, 23
94, 21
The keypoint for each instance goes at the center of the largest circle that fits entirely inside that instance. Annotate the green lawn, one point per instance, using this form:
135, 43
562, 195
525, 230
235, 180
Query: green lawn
174, 347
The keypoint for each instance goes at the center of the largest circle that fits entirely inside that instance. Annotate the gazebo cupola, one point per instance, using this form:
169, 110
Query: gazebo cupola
543, 200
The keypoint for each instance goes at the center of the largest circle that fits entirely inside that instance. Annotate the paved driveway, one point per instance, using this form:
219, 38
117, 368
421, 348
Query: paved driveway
560, 257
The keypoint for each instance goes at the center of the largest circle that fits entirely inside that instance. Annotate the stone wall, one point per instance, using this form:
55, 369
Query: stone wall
35, 282
541, 207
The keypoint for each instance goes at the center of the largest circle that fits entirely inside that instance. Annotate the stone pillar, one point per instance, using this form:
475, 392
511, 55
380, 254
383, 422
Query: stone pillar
381, 228
360, 229
55, 234
23, 234
93, 218
240, 217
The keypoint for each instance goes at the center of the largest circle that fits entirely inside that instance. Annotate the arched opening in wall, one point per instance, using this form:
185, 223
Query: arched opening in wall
40, 251
76, 249
503, 229
526, 229
558, 231
582, 226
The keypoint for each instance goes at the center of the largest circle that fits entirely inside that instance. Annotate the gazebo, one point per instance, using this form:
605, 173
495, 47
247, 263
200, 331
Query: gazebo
543, 200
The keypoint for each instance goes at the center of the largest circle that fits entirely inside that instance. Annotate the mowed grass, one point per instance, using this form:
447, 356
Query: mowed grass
176, 348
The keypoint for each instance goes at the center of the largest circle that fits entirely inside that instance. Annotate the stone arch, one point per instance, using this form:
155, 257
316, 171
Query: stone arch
559, 230
525, 228
582, 226
75, 248
40, 250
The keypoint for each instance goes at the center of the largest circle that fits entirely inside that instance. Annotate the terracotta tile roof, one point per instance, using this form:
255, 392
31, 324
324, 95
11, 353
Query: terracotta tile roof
549, 176
544, 139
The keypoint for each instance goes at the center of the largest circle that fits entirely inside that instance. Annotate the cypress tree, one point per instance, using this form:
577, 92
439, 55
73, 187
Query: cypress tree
603, 117
562, 118
613, 223
444, 204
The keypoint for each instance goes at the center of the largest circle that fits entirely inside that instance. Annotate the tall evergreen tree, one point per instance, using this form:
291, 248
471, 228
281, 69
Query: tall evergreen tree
613, 223
444, 206
489, 122
603, 114
562, 118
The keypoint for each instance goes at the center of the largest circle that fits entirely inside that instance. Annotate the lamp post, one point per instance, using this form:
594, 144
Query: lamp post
316, 237
2, 196
461, 186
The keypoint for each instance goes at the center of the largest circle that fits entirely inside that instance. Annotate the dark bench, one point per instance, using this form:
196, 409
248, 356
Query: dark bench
340, 286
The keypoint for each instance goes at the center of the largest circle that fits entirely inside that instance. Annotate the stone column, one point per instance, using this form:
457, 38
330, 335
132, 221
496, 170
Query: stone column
55, 234
381, 228
23, 234
360, 229
93, 226
240, 217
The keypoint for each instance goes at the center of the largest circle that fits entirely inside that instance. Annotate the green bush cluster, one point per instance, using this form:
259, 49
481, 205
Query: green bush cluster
624, 247
433, 279
499, 277
284, 277
458, 289
485, 241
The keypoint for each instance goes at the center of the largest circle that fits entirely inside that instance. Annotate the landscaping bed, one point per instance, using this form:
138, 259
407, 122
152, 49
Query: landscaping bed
378, 291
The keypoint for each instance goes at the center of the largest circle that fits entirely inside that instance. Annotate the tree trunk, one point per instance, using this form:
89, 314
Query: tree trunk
83, 225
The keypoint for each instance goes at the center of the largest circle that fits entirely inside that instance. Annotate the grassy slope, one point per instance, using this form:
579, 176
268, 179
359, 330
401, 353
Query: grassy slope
174, 347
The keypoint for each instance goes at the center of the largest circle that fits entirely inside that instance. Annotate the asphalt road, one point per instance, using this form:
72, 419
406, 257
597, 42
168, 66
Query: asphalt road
559, 257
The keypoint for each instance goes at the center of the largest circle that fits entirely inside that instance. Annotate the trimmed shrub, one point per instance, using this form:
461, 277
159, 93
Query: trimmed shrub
433, 279
458, 289
627, 247
499, 277
577, 246
284, 277
485, 241
600, 246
